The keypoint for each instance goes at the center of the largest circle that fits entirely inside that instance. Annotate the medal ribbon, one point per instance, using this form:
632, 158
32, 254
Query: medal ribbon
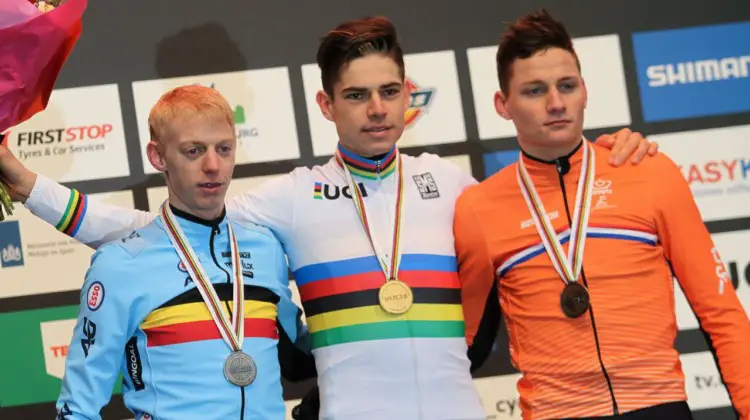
568, 267
390, 270
232, 334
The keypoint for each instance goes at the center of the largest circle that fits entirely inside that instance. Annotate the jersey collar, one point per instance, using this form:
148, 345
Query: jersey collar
367, 168
194, 225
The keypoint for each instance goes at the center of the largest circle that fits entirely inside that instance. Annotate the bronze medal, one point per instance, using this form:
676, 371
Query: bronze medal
574, 300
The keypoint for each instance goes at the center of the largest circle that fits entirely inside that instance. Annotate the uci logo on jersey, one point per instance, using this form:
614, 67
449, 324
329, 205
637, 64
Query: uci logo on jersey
333, 192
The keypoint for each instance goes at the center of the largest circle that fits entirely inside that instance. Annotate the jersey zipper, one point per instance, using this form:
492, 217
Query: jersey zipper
216, 230
377, 168
560, 169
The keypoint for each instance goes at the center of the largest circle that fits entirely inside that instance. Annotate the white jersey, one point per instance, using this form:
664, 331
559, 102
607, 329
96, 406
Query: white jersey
371, 365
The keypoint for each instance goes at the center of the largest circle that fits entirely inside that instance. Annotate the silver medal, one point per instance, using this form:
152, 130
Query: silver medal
240, 369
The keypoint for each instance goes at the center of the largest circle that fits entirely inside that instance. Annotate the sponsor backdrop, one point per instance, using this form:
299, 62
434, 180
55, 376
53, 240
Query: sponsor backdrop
676, 70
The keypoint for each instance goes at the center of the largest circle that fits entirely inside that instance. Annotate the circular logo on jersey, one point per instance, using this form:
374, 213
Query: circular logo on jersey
418, 103
181, 267
95, 296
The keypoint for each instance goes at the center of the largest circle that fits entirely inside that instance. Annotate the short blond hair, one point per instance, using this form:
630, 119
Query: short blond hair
187, 103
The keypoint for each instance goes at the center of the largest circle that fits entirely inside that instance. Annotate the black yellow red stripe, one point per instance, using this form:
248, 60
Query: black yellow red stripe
75, 211
186, 318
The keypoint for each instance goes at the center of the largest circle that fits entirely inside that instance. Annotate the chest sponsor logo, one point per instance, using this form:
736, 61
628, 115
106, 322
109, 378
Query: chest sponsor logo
323, 191
530, 222
245, 261
601, 194
427, 186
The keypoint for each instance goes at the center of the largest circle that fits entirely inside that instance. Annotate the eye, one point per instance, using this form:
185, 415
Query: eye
390, 92
532, 91
567, 86
355, 96
225, 149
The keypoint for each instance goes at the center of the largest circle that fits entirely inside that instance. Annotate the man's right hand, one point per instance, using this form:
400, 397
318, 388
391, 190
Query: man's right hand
17, 177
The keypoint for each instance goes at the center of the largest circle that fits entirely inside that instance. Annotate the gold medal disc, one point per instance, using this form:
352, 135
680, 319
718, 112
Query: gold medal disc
395, 297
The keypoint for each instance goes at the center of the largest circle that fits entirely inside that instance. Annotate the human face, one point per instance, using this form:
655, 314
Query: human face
198, 161
546, 100
368, 105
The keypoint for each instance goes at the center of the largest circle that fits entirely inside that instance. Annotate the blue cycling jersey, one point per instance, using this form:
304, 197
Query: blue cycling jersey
141, 315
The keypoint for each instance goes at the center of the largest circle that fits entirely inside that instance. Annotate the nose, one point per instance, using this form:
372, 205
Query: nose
555, 103
211, 161
375, 107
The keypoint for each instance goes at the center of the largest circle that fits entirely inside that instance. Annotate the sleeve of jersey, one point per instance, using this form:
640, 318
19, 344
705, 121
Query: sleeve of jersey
704, 280
271, 204
95, 353
91, 222
475, 270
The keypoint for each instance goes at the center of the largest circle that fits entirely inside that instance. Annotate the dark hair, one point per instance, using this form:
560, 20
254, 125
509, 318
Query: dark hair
526, 36
354, 39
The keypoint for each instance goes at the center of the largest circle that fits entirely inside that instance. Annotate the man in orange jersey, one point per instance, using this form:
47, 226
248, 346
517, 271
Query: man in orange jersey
591, 332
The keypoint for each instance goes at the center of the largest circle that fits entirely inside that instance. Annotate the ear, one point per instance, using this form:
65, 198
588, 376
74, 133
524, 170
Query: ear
155, 156
500, 107
326, 104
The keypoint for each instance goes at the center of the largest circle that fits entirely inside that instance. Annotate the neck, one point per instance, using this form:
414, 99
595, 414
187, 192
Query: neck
363, 153
205, 217
549, 154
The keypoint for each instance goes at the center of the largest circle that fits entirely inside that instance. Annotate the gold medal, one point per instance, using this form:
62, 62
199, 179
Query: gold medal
395, 297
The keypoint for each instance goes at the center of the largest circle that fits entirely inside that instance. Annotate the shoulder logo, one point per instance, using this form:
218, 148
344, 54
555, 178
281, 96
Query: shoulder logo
426, 185
95, 296
132, 235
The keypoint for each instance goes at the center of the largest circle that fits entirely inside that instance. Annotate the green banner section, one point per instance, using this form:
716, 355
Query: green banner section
32, 357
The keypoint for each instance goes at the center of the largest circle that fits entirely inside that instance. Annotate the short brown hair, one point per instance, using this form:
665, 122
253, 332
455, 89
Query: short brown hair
187, 102
354, 39
529, 34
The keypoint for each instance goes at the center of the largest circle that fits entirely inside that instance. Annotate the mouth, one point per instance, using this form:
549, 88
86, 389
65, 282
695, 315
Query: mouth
377, 129
557, 123
210, 187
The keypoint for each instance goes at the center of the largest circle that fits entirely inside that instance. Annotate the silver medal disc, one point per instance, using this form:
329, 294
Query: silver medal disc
240, 369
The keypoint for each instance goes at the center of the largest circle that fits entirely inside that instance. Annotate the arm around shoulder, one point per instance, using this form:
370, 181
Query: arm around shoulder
91, 222
272, 204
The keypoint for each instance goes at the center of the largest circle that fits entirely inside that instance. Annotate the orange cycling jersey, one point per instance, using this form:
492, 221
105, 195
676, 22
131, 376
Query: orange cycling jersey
643, 228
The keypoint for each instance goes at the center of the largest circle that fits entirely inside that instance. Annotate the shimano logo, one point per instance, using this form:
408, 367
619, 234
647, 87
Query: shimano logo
11, 254
699, 71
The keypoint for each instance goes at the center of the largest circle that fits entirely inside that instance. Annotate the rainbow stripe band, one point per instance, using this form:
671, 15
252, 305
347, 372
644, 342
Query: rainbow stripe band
75, 211
368, 169
340, 299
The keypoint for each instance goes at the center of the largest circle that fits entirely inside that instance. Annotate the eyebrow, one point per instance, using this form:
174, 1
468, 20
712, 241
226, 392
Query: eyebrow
360, 89
562, 79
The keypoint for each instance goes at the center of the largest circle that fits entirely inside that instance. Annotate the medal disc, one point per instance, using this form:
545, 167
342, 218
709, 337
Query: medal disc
574, 300
240, 369
395, 297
